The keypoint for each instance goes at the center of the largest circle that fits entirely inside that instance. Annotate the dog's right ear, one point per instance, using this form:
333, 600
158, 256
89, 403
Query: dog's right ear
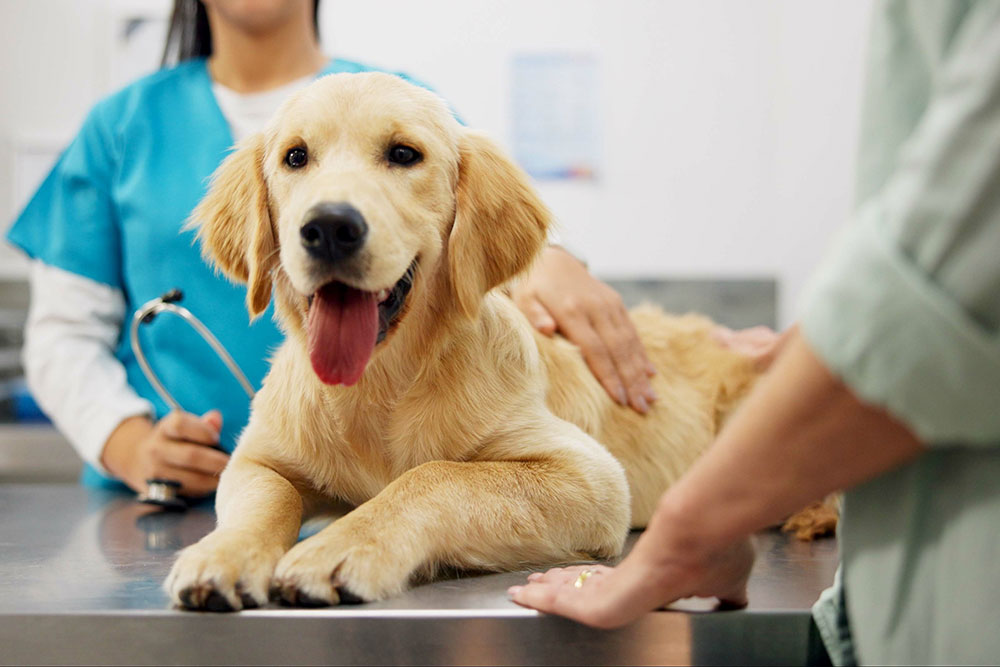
234, 223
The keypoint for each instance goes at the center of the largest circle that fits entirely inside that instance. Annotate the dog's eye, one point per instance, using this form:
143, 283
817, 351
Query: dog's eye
296, 158
404, 155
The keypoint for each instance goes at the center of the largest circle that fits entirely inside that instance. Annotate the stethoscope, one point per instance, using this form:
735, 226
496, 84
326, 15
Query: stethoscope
164, 492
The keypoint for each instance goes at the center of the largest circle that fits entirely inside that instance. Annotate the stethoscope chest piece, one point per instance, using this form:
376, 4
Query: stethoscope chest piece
163, 493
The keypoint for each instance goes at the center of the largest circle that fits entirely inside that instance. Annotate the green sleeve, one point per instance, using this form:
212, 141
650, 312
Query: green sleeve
906, 308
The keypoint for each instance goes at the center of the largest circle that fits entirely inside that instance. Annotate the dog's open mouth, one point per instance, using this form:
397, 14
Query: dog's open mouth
345, 324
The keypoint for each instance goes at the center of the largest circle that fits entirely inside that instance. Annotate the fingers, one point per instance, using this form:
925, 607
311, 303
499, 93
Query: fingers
560, 294
735, 601
193, 484
547, 591
595, 352
612, 349
541, 596
760, 344
188, 427
628, 355
214, 419
723, 335
182, 448
194, 458
580, 593
562, 575
537, 314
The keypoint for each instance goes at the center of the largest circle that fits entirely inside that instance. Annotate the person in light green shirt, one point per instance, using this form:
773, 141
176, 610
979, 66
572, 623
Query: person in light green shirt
890, 388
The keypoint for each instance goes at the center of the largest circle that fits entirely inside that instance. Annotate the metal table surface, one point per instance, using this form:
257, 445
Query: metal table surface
81, 573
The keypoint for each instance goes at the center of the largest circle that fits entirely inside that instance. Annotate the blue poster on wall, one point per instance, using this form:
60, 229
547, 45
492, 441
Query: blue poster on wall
555, 128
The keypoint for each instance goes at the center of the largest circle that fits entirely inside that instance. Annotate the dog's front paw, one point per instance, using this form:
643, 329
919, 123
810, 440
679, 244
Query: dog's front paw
336, 567
222, 573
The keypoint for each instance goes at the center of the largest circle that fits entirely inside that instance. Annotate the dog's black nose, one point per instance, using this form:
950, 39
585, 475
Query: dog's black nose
333, 231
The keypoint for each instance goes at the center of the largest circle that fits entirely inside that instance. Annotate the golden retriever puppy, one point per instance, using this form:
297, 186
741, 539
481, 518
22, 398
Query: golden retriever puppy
410, 387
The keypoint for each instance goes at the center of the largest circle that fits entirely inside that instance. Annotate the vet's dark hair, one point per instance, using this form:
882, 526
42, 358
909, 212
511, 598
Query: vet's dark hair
189, 36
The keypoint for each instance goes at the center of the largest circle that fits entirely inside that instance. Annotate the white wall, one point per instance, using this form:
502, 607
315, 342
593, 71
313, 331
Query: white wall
728, 131
729, 126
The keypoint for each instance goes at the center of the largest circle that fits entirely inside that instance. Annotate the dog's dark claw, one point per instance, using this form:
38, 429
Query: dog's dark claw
349, 597
217, 602
289, 596
186, 601
246, 600
309, 601
282, 595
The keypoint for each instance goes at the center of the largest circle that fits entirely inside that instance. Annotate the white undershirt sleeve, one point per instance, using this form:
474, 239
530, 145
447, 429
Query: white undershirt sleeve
73, 327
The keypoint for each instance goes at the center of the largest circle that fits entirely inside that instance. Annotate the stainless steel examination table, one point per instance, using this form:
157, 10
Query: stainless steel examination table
81, 574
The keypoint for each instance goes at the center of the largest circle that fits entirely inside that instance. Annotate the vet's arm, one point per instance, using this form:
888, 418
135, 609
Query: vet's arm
560, 294
801, 435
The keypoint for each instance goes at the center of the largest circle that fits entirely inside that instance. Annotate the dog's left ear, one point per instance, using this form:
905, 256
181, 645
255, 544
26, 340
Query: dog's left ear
500, 222
234, 223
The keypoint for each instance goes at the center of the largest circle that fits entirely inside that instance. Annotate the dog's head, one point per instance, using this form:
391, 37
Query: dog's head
362, 193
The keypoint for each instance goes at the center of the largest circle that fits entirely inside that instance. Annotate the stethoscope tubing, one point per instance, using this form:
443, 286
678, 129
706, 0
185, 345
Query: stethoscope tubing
164, 492
161, 304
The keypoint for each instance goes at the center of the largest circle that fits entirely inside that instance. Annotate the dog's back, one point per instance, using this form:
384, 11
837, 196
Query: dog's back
699, 382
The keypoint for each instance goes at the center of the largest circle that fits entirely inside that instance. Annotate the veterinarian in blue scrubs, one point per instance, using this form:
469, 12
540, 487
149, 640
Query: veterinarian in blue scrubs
891, 391
106, 232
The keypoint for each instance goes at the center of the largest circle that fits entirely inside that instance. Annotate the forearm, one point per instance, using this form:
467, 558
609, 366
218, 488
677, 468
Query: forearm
800, 435
72, 327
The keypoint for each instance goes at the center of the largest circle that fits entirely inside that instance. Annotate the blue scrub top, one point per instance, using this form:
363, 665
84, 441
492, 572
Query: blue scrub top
113, 210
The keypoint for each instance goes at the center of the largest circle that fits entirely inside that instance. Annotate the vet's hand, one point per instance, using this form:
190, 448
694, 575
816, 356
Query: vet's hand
646, 580
560, 294
178, 447
761, 344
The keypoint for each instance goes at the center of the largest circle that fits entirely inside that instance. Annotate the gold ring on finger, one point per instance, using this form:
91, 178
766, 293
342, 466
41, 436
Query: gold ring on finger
586, 574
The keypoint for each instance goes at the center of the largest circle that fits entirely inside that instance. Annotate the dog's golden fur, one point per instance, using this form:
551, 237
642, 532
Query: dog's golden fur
470, 440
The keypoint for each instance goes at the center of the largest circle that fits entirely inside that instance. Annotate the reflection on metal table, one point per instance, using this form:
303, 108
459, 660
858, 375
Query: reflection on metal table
81, 574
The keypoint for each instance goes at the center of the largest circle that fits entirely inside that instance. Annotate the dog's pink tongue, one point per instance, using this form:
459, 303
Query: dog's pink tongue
343, 326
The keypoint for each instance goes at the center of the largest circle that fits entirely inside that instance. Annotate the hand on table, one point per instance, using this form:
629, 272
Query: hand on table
179, 447
611, 597
560, 294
